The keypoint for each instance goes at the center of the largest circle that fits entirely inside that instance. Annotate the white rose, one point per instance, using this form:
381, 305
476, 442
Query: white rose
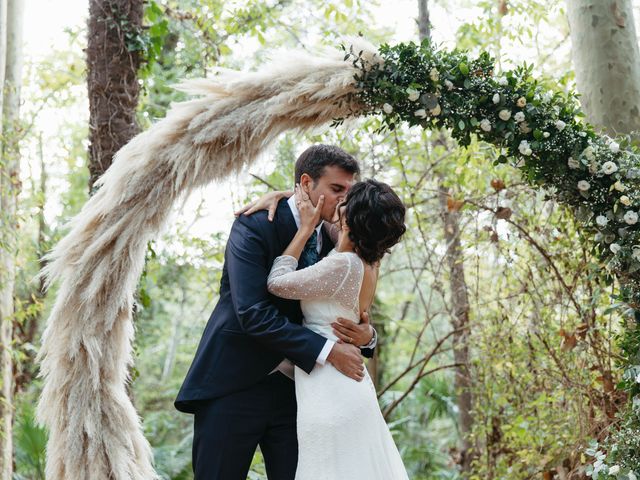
524, 127
614, 470
602, 221
413, 94
448, 84
635, 254
503, 81
619, 186
496, 98
521, 102
504, 115
583, 185
573, 163
485, 125
519, 117
615, 248
589, 153
524, 148
631, 217
434, 75
387, 108
614, 147
436, 111
560, 125
609, 167
422, 113
625, 200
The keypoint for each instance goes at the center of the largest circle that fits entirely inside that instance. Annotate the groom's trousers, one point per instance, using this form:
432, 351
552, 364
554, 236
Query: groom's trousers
228, 429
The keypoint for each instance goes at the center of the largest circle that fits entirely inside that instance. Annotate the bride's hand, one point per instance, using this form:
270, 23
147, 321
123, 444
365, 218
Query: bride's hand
269, 201
309, 215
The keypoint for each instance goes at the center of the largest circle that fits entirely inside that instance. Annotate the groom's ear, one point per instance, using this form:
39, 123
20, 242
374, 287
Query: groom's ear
306, 182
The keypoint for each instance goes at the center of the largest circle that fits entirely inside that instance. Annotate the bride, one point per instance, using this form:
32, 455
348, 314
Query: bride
342, 434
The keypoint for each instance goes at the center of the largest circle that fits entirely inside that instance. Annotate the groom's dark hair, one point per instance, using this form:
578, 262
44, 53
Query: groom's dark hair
315, 158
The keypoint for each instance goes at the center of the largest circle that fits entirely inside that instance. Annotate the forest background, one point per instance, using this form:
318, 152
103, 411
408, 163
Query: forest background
498, 354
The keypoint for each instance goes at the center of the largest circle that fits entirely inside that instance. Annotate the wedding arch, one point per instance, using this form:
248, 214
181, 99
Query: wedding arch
95, 431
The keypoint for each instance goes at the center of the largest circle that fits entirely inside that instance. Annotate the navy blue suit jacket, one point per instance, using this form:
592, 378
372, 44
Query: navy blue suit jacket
251, 331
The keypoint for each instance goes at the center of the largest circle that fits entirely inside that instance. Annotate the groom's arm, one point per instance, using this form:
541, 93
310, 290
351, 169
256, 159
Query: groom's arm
362, 335
247, 261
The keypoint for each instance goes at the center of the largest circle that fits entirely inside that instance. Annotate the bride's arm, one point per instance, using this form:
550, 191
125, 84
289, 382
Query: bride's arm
317, 281
321, 280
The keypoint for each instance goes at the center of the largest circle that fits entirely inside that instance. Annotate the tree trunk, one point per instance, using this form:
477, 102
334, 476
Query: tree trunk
459, 295
424, 26
607, 62
25, 332
9, 189
460, 322
113, 60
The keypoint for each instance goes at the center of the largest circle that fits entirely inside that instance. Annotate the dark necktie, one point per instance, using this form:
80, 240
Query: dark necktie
310, 254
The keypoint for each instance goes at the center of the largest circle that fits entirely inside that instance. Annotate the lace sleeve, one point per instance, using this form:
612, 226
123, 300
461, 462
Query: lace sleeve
336, 276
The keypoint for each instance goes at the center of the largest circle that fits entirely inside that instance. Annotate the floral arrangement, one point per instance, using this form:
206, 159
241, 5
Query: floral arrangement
542, 133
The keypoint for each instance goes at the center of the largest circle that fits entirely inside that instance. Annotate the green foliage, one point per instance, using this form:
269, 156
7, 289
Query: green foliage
423, 426
155, 35
171, 445
621, 463
432, 88
30, 444
541, 335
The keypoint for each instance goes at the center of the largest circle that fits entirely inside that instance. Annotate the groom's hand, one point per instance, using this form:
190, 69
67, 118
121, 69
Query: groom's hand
358, 334
347, 360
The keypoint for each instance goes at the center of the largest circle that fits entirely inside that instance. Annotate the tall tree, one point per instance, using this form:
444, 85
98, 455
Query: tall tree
449, 212
113, 59
9, 189
607, 62
607, 67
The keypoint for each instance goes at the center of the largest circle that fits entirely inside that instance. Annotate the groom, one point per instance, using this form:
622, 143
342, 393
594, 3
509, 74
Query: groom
239, 385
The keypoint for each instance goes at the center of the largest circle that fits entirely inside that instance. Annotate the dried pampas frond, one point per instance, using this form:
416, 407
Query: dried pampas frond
94, 430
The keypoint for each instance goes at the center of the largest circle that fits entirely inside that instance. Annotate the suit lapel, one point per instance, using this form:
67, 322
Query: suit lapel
286, 225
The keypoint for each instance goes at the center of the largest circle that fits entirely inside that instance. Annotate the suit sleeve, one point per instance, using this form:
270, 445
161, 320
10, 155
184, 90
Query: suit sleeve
247, 261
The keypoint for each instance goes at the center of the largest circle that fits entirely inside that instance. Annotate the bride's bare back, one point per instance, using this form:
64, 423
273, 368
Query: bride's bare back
368, 288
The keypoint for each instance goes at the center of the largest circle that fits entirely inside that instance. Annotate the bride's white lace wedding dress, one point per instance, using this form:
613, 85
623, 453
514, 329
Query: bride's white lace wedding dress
342, 434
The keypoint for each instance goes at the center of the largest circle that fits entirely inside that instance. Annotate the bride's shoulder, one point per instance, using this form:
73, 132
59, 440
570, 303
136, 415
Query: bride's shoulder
346, 258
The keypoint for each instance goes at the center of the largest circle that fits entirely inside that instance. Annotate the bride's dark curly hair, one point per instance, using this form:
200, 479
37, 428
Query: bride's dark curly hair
375, 217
